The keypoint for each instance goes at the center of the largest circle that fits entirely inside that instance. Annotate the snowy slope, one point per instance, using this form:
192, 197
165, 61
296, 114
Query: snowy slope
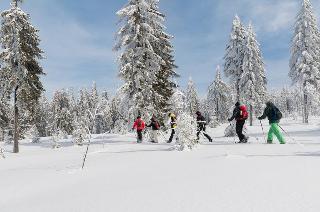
123, 176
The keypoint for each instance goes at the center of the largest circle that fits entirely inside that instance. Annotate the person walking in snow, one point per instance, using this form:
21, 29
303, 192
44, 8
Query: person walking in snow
201, 122
139, 125
155, 127
274, 115
173, 124
240, 114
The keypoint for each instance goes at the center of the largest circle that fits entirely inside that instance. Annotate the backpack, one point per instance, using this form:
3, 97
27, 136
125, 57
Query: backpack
277, 114
139, 124
157, 125
243, 113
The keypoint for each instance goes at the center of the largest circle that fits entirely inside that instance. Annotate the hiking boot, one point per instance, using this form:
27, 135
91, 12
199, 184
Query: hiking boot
269, 142
210, 140
245, 140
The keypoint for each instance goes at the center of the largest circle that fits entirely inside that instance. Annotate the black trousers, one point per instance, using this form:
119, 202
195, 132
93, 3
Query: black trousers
202, 129
172, 134
205, 134
139, 134
239, 129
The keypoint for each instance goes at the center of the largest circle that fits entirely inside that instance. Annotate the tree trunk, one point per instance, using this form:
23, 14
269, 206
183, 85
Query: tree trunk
305, 108
251, 115
16, 133
238, 90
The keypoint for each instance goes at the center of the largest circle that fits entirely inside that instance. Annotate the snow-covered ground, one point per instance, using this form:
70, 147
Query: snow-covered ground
123, 176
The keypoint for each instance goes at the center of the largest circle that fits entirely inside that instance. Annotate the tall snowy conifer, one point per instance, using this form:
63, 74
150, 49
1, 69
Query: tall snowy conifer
139, 62
234, 54
305, 54
192, 99
164, 83
219, 98
20, 57
62, 112
253, 79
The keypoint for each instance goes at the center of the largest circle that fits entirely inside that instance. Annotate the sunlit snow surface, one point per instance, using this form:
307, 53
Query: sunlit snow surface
121, 175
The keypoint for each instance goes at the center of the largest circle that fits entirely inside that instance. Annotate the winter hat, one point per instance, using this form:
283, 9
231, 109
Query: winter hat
237, 104
139, 117
198, 113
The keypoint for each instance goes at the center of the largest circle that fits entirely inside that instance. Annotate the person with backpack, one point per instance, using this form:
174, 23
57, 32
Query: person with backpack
173, 124
139, 125
274, 115
240, 114
201, 122
155, 127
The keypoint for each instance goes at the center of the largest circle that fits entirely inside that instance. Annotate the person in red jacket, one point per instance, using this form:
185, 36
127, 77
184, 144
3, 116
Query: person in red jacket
139, 125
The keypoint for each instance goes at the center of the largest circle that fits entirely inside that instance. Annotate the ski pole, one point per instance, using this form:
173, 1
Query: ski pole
294, 140
85, 155
264, 135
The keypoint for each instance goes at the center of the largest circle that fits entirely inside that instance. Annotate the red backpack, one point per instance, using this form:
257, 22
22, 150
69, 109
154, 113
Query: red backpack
157, 125
139, 123
243, 113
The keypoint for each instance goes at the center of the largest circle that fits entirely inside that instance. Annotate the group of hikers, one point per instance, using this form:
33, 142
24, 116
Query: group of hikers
240, 115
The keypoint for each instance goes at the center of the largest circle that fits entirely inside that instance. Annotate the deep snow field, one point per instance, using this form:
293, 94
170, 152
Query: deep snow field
121, 175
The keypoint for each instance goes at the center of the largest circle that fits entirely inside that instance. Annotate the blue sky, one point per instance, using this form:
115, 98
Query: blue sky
78, 36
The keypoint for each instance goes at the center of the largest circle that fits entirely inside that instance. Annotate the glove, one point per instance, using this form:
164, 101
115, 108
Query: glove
259, 118
229, 120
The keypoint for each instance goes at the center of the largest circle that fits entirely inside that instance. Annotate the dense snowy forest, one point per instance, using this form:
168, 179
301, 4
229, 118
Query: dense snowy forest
149, 74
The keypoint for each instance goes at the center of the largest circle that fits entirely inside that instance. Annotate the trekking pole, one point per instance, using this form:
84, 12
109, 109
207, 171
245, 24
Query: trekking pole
294, 140
85, 155
264, 135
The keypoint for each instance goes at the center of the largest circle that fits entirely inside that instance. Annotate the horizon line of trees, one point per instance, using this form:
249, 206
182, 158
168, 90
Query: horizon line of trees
148, 71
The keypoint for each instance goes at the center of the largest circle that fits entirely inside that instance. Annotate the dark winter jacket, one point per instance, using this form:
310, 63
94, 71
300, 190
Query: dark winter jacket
272, 112
154, 124
201, 121
236, 114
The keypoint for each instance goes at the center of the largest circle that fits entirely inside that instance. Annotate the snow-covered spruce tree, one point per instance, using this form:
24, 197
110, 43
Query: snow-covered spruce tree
253, 80
219, 98
20, 58
33, 134
5, 107
89, 110
178, 101
235, 54
186, 132
139, 62
62, 112
119, 112
164, 83
103, 119
192, 99
43, 117
284, 101
305, 54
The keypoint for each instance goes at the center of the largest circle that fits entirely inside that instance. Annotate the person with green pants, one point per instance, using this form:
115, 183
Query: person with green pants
274, 115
